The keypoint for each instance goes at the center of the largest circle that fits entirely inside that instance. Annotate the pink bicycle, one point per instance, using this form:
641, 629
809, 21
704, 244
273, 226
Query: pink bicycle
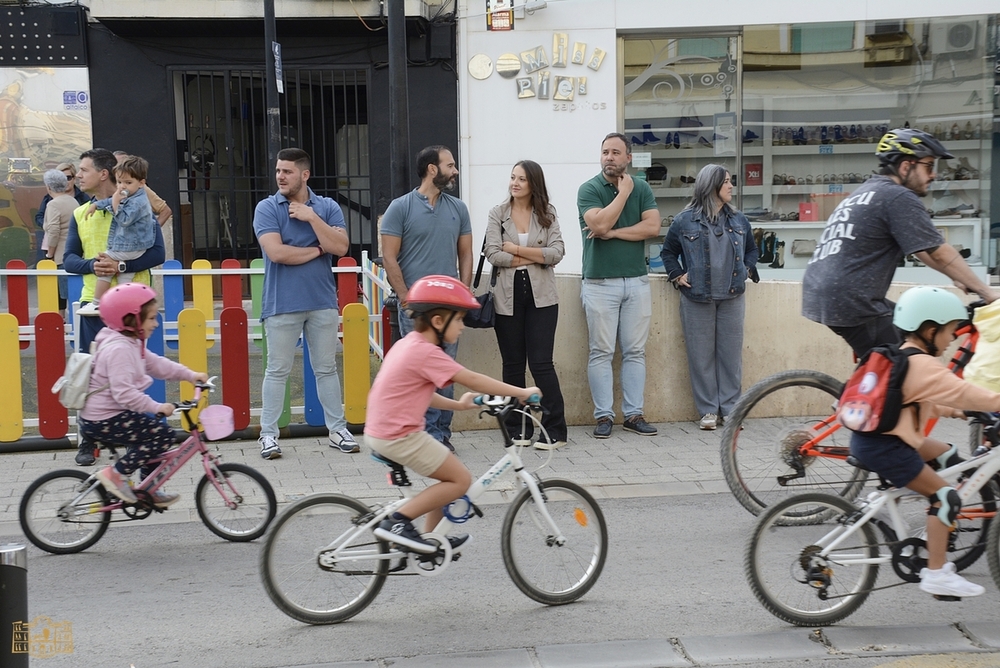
67, 511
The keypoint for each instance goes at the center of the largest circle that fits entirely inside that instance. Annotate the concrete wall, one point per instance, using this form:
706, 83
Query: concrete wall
776, 338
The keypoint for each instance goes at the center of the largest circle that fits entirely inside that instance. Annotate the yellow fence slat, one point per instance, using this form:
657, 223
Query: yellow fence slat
191, 351
11, 408
357, 370
202, 297
48, 289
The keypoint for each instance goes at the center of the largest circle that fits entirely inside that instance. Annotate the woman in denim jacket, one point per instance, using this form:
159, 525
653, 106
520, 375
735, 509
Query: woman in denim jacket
708, 254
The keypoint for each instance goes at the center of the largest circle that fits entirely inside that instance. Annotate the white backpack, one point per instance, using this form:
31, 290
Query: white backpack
72, 386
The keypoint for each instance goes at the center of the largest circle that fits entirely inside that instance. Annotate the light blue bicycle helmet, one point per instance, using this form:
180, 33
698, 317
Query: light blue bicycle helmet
923, 303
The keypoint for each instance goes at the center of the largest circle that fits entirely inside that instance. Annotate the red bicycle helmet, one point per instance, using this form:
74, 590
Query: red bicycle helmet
121, 300
436, 291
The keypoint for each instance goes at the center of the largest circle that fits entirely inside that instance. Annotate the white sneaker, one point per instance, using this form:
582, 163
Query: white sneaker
89, 309
947, 582
709, 421
269, 447
555, 445
343, 440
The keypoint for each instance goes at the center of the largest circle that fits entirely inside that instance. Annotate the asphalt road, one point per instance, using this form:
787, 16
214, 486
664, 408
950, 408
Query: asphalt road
175, 595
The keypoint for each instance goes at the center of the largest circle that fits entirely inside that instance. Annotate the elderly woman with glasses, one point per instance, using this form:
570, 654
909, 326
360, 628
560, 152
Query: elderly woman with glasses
709, 253
72, 189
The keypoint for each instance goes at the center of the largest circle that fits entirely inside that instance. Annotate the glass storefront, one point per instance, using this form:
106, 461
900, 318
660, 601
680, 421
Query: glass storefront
795, 111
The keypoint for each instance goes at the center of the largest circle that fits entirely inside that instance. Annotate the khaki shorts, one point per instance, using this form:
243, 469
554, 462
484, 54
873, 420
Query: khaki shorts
418, 451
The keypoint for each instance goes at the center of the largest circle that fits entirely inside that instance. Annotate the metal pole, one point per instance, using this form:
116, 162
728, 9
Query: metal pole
271, 94
13, 606
399, 117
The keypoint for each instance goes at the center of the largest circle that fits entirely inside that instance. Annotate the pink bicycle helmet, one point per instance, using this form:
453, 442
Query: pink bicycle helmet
121, 300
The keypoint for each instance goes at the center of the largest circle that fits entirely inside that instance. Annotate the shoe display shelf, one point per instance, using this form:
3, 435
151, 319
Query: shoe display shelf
802, 184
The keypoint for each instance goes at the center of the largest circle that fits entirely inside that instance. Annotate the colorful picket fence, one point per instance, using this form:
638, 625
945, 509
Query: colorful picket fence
190, 329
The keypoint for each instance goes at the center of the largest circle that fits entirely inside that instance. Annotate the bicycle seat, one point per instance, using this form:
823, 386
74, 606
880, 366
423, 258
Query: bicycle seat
385, 460
397, 477
855, 463
883, 484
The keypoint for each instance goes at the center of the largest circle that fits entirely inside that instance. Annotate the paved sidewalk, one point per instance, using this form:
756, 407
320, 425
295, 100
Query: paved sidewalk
682, 459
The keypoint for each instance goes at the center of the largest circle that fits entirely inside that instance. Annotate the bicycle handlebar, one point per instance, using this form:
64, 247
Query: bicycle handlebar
496, 400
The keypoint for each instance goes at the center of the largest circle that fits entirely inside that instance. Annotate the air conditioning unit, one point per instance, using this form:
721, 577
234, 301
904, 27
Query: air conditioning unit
884, 27
953, 37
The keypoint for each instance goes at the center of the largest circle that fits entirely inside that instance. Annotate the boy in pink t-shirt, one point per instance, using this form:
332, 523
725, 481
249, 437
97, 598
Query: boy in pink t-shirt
405, 387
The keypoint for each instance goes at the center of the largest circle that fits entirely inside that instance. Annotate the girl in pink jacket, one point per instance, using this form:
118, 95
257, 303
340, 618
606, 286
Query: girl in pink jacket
118, 411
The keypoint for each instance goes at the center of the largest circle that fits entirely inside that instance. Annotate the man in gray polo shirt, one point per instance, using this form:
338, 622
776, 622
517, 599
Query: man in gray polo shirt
424, 232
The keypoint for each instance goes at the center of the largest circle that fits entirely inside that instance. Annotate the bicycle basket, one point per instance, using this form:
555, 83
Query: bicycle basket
216, 422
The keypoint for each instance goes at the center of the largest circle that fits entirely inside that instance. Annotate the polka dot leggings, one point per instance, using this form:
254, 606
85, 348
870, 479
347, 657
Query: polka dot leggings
145, 437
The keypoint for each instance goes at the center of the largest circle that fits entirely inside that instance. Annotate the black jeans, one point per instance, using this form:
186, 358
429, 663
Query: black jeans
529, 336
875, 332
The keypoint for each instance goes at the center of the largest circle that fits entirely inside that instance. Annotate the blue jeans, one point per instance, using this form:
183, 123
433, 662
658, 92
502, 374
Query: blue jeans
283, 331
617, 308
437, 422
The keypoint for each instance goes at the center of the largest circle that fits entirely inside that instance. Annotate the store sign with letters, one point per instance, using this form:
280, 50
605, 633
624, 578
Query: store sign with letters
561, 80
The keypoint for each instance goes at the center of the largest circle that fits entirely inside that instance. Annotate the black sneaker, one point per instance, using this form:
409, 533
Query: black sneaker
638, 425
403, 533
459, 541
85, 455
447, 443
603, 428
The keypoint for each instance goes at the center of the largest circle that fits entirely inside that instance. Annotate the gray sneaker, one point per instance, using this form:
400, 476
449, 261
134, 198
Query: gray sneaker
269, 447
343, 440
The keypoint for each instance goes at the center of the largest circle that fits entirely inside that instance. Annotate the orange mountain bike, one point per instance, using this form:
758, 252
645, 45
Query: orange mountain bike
782, 437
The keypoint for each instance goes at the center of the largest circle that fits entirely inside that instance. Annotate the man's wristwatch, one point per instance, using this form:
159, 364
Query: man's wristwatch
122, 267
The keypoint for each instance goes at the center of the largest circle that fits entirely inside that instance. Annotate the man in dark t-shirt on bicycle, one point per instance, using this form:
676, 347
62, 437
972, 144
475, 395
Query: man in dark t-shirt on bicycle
848, 276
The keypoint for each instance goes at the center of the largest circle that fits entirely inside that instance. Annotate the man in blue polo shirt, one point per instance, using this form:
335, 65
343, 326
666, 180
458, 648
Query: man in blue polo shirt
617, 215
424, 232
298, 231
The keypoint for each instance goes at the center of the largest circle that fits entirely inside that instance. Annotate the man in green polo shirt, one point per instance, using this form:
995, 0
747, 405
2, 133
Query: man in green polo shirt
617, 214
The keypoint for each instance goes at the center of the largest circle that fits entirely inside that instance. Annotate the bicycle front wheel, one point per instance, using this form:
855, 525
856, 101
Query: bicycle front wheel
61, 512
790, 577
318, 565
246, 509
555, 567
763, 436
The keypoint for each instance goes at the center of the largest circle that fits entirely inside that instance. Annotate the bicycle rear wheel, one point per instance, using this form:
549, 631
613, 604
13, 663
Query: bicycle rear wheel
60, 512
762, 437
251, 503
316, 564
544, 569
790, 578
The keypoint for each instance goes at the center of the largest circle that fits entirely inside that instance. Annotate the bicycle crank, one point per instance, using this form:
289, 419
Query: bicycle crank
908, 558
433, 564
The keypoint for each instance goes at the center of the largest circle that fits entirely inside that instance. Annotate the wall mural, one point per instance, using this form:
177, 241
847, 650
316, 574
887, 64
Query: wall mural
44, 120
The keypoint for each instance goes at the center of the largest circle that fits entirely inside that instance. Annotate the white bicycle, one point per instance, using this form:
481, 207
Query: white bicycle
321, 563
813, 559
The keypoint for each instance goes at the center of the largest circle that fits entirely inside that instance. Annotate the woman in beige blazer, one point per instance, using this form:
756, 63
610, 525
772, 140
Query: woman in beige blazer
523, 242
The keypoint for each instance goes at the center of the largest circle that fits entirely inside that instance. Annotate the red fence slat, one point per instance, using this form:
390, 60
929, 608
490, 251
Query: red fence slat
235, 364
347, 283
50, 357
232, 285
17, 296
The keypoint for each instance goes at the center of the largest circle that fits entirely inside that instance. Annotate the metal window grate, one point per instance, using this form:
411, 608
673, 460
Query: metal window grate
222, 151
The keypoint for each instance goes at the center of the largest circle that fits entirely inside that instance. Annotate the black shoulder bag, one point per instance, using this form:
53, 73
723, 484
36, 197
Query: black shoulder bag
484, 316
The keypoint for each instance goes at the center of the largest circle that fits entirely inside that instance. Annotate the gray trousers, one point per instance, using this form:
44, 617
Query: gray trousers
713, 333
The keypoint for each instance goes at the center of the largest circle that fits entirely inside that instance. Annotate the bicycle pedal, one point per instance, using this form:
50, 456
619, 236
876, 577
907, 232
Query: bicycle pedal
944, 597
